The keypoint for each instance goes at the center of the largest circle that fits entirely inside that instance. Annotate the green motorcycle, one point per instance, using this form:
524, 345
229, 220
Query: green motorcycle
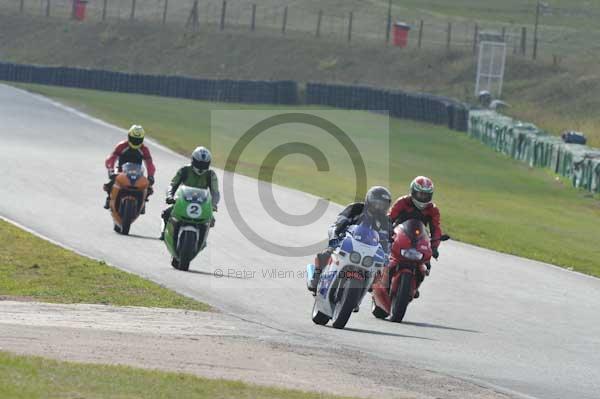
188, 225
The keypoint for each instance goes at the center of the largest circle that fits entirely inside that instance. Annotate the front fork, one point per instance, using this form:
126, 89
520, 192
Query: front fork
418, 272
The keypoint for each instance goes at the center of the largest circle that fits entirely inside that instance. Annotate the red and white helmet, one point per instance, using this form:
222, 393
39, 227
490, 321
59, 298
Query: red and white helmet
421, 192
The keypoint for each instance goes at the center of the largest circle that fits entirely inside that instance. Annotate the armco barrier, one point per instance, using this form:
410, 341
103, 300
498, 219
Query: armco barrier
247, 91
416, 106
525, 142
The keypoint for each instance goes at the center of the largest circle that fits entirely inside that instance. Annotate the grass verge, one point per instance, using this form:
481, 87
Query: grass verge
34, 377
33, 268
486, 198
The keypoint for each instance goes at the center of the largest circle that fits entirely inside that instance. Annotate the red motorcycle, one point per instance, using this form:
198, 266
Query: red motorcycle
395, 288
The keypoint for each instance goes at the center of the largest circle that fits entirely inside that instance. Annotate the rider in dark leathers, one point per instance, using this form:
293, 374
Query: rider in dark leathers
375, 207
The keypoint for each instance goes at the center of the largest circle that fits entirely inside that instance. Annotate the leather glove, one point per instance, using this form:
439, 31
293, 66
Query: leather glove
435, 253
151, 180
111, 174
339, 229
170, 200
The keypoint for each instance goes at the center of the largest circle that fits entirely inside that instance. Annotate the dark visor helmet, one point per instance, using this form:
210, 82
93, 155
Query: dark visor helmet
378, 201
201, 158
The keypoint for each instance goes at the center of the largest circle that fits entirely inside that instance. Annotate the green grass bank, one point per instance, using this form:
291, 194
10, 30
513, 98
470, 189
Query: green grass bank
34, 269
24, 377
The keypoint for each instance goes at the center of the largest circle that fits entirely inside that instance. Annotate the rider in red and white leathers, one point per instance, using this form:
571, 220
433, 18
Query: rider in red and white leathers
131, 150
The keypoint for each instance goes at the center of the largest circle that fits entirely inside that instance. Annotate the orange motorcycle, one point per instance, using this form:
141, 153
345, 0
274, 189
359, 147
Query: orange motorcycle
128, 196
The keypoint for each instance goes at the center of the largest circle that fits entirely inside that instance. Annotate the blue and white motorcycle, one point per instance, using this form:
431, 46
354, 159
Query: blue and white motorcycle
345, 280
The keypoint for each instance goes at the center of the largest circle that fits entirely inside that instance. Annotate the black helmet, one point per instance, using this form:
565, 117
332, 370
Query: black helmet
378, 201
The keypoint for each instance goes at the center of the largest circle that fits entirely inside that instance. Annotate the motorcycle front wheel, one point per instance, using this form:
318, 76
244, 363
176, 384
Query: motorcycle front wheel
128, 213
186, 249
346, 303
402, 298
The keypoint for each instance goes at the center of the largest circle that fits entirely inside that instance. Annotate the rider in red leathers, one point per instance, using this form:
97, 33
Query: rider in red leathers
419, 205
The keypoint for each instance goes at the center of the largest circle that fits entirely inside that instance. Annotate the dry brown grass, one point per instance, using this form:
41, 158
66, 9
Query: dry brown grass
556, 98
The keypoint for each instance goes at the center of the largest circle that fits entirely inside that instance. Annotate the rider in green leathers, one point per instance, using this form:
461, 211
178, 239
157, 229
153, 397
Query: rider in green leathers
198, 174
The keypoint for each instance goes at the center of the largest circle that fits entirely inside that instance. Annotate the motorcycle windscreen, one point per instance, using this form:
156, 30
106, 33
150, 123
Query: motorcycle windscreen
132, 169
193, 194
414, 229
364, 234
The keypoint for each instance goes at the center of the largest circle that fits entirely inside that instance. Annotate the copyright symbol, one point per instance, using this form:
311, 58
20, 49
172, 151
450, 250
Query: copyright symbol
266, 171
218, 273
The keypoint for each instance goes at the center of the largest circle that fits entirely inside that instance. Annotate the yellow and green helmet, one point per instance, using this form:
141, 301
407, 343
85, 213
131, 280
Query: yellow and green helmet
135, 136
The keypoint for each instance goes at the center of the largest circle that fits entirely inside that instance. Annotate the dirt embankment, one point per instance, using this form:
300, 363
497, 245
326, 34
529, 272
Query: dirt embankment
213, 345
555, 97
232, 54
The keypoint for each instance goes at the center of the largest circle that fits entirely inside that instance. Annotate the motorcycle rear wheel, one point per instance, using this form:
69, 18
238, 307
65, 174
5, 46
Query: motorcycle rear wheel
402, 298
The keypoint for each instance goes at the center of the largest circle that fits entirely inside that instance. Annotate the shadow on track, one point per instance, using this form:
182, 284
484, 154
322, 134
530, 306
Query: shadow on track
360, 330
144, 237
427, 325
213, 274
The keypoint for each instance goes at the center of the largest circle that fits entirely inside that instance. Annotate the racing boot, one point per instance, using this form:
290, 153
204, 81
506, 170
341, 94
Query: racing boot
150, 191
321, 260
163, 225
107, 187
424, 271
213, 220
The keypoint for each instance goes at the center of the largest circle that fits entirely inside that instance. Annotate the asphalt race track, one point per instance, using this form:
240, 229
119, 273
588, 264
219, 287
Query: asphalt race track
517, 325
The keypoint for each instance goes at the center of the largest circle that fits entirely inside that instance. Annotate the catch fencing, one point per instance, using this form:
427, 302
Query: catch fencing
527, 143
